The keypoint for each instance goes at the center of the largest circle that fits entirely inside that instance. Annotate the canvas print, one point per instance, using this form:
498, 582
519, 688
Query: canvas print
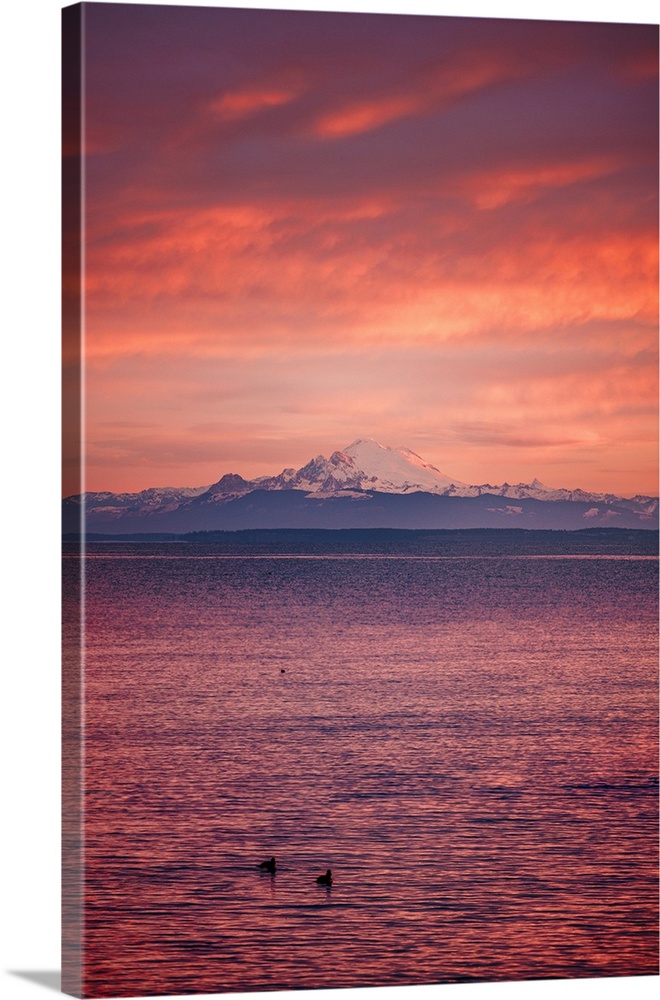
360, 500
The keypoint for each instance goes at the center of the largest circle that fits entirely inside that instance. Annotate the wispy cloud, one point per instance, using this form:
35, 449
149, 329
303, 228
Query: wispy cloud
251, 100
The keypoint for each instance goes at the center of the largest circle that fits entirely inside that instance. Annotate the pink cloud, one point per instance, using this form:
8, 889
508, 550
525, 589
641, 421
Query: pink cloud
434, 86
243, 103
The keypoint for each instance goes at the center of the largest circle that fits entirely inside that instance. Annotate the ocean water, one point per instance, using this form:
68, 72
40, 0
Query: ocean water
469, 742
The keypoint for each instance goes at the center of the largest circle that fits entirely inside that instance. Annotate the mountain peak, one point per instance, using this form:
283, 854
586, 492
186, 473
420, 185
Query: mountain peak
395, 470
361, 443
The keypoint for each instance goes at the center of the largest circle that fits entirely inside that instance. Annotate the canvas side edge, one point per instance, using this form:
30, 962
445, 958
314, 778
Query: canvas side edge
72, 481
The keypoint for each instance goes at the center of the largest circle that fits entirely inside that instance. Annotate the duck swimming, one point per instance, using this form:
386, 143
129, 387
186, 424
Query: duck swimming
268, 866
325, 879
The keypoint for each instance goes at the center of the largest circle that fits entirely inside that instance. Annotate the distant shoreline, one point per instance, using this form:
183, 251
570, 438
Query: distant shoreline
438, 541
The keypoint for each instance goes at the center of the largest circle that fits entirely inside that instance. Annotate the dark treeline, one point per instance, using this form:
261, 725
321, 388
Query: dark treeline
394, 541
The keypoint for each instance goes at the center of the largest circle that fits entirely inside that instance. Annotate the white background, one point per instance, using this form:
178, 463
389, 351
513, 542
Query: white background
29, 570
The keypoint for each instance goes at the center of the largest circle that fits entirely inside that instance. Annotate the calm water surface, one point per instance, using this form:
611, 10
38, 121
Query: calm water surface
470, 744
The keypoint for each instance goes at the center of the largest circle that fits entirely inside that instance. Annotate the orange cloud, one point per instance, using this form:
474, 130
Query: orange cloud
364, 116
607, 390
430, 89
247, 277
495, 188
243, 103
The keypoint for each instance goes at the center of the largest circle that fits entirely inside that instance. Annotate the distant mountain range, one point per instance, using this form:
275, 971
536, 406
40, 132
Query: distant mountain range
364, 486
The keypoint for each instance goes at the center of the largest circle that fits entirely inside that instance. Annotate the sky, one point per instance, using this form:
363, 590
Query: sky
305, 228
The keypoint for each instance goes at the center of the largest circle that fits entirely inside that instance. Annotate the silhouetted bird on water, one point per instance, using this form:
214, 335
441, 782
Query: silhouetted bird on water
325, 879
268, 866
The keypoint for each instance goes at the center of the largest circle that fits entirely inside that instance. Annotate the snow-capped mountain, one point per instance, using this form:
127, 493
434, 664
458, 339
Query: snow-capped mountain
363, 471
363, 465
366, 465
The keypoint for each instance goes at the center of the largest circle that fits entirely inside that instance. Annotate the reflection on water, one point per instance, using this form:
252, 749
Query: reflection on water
469, 744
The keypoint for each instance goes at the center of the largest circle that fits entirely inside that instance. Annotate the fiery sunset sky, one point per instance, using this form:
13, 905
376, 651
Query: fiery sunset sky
305, 228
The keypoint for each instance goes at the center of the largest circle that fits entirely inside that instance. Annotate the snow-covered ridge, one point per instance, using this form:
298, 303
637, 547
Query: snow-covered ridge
363, 467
